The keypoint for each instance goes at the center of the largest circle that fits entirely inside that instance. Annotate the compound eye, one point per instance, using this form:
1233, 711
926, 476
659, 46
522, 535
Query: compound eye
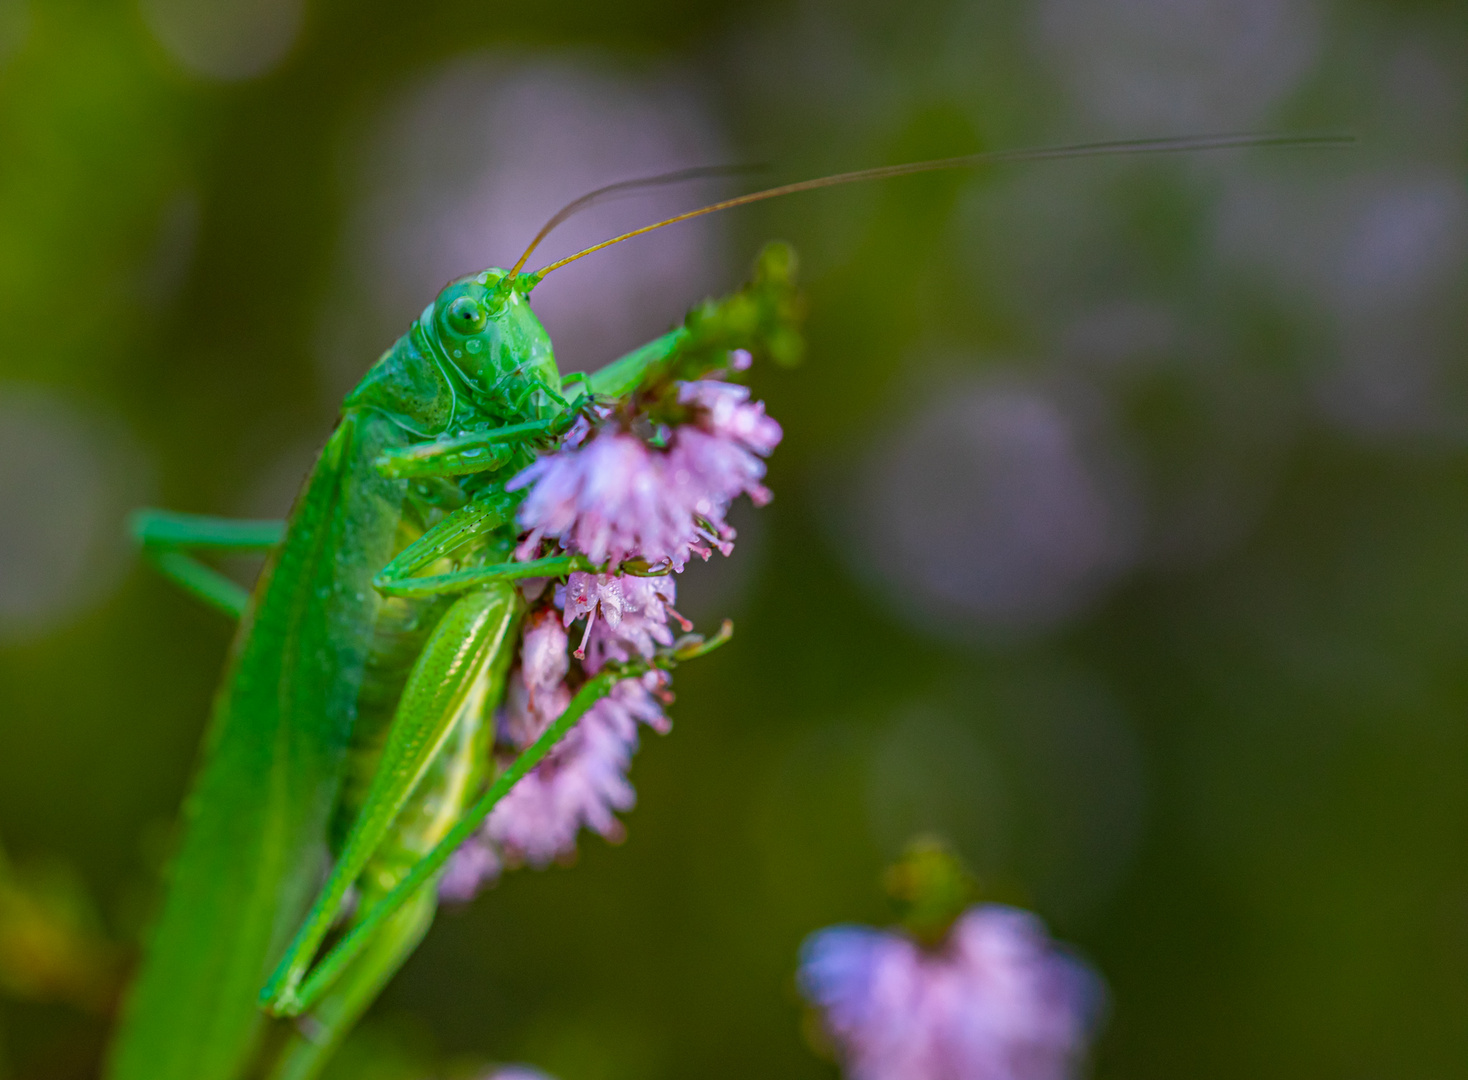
467, 315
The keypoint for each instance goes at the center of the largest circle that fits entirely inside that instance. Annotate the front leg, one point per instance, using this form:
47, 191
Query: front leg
476, 577
517, 404
465, 453
466, 527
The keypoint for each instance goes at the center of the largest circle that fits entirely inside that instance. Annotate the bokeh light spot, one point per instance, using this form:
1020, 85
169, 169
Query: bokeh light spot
228, 40
1179, 64
61, 475
990, 509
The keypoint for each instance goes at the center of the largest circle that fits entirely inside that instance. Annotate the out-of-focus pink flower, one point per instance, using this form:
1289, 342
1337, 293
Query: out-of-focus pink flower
581, 782
527, 713
472, 867
543, 659
536, 692
625, 615
727, 413
610, 496
997, 1001
615, 498
517, 1072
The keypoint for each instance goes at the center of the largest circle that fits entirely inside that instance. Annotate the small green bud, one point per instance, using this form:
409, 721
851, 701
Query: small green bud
777, 262
692, 646
930, 887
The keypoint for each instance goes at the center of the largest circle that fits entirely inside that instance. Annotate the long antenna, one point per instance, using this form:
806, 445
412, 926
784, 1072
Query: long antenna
968, 161
628, 187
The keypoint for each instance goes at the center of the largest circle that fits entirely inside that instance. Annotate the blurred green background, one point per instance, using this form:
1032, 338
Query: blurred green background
1121, 530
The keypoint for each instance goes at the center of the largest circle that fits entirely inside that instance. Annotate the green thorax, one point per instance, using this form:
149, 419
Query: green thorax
476, 355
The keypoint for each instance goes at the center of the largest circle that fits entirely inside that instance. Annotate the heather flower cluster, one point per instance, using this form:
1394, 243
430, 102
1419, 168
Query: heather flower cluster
627, 501
996, 1000
583, 781
614, 497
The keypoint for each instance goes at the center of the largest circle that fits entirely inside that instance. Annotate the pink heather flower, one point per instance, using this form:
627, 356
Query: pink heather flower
535, 695
528, 712
517, 1072
728, 414
473, 866
604, 499
543, 659
615, 498
581, 782
998, 1001
536, 692
625, 615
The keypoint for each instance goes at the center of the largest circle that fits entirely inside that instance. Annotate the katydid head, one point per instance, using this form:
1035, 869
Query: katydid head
476, 353
484, 329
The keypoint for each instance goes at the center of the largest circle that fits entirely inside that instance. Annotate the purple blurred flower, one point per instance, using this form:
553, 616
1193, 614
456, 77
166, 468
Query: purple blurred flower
728, 414
581, 782
543, 659
997, 1001
472, 867
614, 498
529, 710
